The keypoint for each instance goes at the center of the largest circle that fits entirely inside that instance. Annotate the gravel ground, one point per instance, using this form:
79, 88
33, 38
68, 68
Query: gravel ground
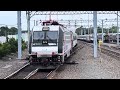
103, 67
8, 66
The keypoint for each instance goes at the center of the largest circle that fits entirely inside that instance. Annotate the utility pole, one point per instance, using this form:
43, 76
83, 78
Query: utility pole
19, 34
28, 29
75, 23
88, 27
69, 23
95, 32
81, 28
102, 32
112, 32
117, 30
50, 16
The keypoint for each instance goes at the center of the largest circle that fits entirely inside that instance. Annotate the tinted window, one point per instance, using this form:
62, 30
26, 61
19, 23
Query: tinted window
38, 35
52, 35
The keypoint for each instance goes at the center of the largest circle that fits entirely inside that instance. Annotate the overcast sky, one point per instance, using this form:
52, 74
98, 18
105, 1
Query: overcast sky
10, 18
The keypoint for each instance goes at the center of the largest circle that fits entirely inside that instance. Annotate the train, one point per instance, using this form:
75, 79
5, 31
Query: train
51, 43
107, 37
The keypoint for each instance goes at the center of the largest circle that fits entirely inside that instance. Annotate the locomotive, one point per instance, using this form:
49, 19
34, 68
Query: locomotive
51, 43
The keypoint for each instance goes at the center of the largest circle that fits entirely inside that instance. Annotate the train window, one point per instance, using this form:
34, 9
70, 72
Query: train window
38, 35
52, 35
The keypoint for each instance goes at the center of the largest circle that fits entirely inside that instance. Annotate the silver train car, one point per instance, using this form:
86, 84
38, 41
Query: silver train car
51, 43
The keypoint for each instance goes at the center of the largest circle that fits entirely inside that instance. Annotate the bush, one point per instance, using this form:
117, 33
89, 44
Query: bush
24, 46
1, 52
10, 47
0, 44
13, 45
6, 48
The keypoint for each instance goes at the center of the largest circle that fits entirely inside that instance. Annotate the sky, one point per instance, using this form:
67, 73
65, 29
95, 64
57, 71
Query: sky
9, 18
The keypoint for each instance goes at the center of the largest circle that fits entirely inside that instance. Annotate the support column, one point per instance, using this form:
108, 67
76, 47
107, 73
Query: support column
19, 34
117, 30
88, 28
102, 32
95, 32
28, 28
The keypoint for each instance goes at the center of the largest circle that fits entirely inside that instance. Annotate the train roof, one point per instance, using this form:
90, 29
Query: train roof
52, 28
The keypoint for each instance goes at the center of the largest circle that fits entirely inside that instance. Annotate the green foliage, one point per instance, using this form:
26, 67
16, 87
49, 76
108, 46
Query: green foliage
0, 44
24, 46
1, 52
10, 47
78, 30
14, 45
6, 48
4, 31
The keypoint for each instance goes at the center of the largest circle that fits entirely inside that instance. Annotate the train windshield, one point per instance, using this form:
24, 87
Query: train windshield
43, 38
52, 35
38, 35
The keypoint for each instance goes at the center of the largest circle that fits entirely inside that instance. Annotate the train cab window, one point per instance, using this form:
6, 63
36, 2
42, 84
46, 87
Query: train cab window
52, 35
38, 35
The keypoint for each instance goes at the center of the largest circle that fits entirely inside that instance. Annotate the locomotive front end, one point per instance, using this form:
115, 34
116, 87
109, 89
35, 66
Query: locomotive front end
44, 46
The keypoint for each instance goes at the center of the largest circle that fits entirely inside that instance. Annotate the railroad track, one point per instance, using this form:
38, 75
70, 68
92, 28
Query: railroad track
49, 74
23, 73
33, 72
17, 71
111, 51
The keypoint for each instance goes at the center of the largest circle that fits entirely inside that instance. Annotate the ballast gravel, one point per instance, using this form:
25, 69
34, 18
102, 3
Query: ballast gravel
102, 67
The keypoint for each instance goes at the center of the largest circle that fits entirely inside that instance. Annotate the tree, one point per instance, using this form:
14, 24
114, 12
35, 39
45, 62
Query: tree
113, 29
14, 45
13, 30
99, 29
78, 30
4, 31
